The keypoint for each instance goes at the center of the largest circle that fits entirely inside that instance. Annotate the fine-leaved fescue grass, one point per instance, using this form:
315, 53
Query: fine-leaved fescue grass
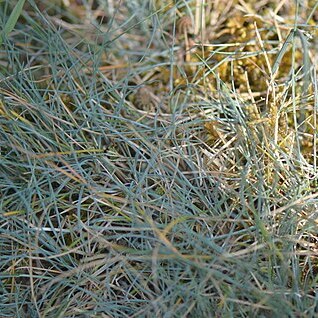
138, 181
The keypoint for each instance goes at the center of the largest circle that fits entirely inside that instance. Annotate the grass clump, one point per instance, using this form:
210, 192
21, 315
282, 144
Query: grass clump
159, 158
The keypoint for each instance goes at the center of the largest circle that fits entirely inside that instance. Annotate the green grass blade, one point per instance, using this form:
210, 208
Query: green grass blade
13, 18
282, 52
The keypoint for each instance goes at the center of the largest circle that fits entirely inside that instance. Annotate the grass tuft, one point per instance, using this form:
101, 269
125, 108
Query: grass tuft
158, 158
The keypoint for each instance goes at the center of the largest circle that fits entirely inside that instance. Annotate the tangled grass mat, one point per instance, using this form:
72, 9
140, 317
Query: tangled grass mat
158, 158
